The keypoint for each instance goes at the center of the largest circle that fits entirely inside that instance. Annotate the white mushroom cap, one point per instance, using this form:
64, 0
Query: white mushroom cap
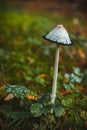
59, 35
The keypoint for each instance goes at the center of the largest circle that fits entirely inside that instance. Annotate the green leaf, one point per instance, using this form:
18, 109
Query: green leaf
75, 78
78, 79
76, 70
72, 86
58, 110
66, 86
60, 77
67, 102
36, 109
40, 80
66, 76
72, 78
18, 91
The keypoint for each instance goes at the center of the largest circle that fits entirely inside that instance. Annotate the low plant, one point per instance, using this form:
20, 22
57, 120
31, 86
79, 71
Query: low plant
27, 110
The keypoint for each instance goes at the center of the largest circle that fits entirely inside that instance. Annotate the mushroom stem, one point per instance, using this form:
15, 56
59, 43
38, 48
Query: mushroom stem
54, 86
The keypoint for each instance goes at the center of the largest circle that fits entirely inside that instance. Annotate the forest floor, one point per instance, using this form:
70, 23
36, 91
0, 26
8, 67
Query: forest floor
77, 9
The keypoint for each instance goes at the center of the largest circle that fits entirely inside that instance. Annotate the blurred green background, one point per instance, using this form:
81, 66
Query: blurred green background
25, 57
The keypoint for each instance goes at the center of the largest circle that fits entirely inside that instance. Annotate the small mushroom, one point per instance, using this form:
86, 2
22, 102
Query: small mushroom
60, 36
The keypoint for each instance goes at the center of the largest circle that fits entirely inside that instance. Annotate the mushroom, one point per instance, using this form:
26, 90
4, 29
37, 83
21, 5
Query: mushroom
60, 36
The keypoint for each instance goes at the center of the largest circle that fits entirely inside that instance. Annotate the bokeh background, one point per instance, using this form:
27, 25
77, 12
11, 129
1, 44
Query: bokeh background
27, 65
25, 57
